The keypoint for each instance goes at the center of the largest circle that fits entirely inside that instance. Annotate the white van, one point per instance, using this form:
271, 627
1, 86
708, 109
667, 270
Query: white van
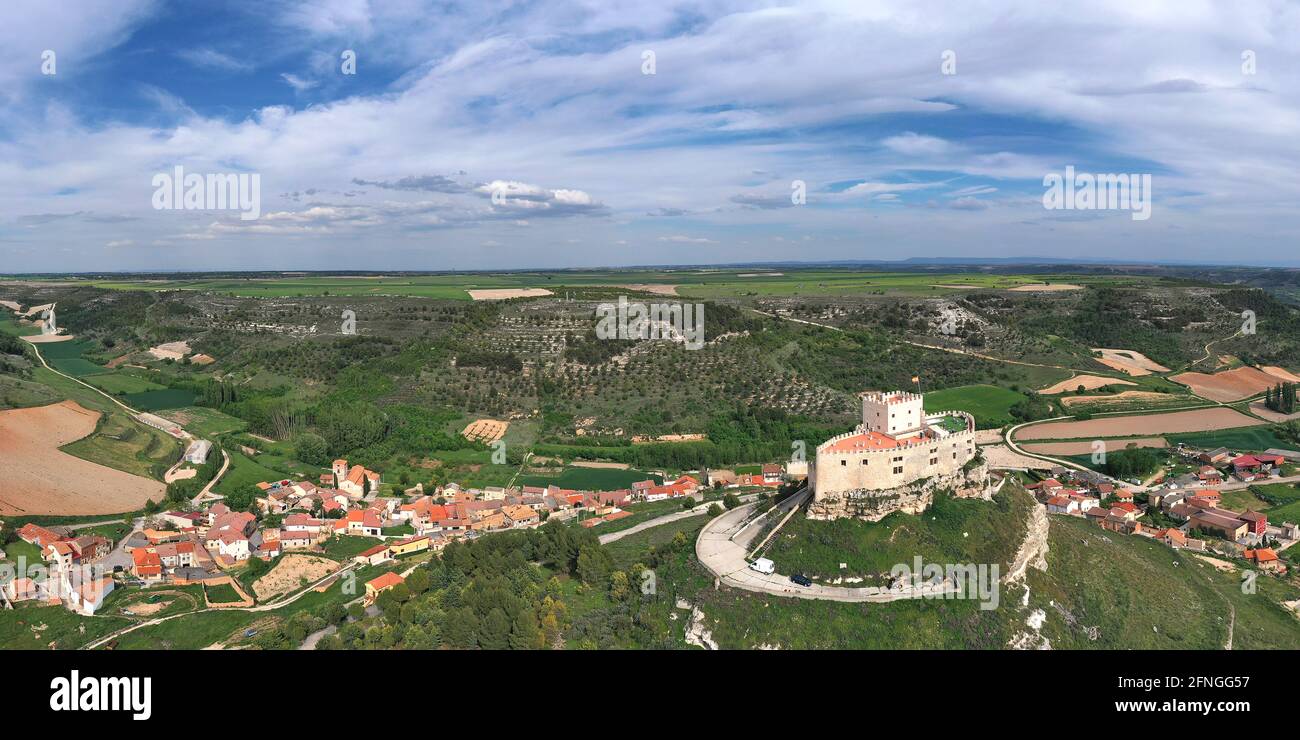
764, 566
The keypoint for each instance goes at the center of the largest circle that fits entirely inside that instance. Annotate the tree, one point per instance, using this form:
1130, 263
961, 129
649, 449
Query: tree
731, 501
311, 449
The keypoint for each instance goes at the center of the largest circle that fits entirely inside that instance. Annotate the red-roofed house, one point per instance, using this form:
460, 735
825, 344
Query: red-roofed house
374, 556
1062, 505
376, 586
1265, 558
147, 565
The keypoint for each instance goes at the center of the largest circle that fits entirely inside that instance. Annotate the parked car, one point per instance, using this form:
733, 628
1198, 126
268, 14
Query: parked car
801, 580
763, 565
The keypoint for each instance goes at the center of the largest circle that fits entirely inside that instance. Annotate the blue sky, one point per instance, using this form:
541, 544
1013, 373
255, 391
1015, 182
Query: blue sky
593, 162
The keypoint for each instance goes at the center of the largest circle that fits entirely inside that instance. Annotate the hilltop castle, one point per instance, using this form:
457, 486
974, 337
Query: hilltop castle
895, 460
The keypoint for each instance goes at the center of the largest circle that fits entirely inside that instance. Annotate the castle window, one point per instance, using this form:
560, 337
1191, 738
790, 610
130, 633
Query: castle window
898, 470
934, 461
843, 463
864, 461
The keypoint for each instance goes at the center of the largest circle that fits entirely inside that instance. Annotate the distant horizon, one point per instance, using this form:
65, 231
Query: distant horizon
928, 264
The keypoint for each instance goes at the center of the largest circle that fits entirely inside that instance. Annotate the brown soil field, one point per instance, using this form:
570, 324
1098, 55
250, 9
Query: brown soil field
287, 574
1196, 420
1259, 409
496, 294
601, 465
1281, 373
1045, 288
1084, 448
36, 477
48, 338
485, 430
1089, 382
1229, 385
1118, 398
1129, 361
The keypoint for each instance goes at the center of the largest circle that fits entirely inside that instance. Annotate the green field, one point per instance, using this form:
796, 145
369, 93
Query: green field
66, 357
157, 400
222, 593
122, 383
44, 627
124, 444
590, 479
1248, 439
243, 474
989, 404
18, 393
204, 422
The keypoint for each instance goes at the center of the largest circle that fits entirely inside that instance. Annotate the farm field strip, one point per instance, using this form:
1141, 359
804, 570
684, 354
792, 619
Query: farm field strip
1196, 420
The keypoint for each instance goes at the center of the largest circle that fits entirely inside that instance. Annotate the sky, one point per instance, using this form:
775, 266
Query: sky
419, 135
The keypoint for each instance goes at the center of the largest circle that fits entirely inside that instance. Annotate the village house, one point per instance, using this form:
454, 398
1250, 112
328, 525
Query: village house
89, 596
1265, 559
269, 549
297, 539
521, 516
374, 555
176, 554
147, 565
376, 586
229, 536
1174, 538
359, 522
408, 546
1062, 505
772, 473
299, 522
720, 479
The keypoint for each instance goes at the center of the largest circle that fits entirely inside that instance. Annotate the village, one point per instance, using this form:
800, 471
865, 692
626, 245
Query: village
340, 512
1186, 512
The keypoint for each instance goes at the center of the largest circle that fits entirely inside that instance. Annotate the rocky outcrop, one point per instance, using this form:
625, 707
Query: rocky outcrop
1033, 549
914, 498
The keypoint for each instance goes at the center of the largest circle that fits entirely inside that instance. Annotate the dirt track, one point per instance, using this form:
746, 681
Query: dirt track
1196, 420
36, 477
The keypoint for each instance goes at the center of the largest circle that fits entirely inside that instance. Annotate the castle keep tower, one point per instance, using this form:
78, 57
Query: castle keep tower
895, 414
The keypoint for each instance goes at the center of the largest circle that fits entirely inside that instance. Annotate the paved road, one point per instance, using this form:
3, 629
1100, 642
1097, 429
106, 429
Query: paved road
724, 542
